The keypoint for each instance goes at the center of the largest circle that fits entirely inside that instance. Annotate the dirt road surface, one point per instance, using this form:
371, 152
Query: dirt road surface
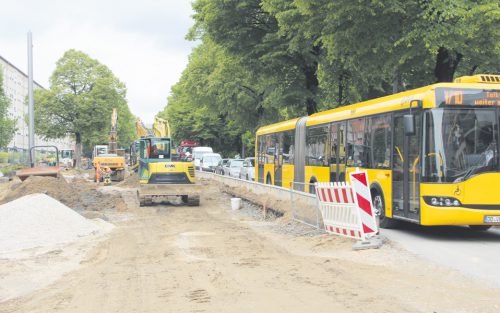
211, 259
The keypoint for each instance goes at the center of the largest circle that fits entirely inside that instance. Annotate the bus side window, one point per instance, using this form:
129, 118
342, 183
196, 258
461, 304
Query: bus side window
287, 147
317, 146
356, 148
378, 138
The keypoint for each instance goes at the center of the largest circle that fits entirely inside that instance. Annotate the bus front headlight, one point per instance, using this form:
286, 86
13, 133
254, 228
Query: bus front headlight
442, 201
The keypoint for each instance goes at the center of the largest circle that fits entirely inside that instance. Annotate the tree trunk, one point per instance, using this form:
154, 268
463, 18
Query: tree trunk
78, 150
446, 64
312, 84
340, 87
395, 82
472, 70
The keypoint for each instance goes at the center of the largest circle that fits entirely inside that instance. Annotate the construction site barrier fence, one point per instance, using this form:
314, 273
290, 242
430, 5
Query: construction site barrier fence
302, 206
347, 208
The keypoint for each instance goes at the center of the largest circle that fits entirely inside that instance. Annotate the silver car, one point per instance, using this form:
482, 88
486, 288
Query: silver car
234, 167
248, 170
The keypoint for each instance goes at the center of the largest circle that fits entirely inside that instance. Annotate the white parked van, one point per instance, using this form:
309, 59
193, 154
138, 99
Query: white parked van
198, 153
209, 161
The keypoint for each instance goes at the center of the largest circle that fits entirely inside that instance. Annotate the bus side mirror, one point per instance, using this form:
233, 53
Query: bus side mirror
409, 124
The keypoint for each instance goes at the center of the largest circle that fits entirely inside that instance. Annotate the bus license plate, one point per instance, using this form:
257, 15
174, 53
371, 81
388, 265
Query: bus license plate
492, 219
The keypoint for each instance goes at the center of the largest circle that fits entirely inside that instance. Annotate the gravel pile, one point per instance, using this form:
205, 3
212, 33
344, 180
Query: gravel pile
289, 227
298, 229
38, 220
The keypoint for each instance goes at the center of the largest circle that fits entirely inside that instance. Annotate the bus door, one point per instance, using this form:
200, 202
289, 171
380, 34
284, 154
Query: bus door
278, 160
261, 158
341, 159
406, 169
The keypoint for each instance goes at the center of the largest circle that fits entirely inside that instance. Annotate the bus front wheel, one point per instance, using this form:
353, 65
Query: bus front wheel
379, 206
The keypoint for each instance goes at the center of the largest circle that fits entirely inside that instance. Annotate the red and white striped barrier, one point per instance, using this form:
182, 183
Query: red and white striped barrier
345, 208
359, 182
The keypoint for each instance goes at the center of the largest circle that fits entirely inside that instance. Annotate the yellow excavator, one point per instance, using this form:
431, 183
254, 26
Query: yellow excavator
161, 178
110, 156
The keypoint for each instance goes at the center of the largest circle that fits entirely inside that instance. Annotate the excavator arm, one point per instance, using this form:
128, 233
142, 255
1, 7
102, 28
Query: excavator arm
142, 131
161, 128
113, 133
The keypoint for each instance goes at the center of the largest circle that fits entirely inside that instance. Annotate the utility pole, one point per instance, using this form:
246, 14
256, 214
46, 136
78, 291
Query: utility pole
31, 105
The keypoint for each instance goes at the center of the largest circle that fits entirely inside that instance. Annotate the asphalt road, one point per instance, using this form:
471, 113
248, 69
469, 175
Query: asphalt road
475, 254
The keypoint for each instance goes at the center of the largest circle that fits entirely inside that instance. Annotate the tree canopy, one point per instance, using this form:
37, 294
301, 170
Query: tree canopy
263, 61
7, 123
79, 102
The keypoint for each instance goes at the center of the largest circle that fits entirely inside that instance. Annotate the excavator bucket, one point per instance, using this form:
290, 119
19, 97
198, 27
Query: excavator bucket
43, 169
51, 171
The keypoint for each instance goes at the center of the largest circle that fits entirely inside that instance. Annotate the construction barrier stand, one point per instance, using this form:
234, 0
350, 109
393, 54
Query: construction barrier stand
361, 187
347, 208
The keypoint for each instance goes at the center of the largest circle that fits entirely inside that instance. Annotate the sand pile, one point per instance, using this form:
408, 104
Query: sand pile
38, 220
79, 195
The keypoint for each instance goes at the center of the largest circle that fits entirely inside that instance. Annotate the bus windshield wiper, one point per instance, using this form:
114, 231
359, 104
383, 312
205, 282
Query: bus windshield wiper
467, 174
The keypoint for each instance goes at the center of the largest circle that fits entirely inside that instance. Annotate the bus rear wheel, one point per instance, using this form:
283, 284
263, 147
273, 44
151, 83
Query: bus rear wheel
479, 227
379, 207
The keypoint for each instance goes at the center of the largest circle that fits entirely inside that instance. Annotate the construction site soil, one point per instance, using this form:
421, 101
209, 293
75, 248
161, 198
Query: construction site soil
174, 258
80, 194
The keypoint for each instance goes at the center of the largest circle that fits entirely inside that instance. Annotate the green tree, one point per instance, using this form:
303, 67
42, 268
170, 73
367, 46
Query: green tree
7, 124
82, 95
263, 61
456, 32
196, 109
285, 68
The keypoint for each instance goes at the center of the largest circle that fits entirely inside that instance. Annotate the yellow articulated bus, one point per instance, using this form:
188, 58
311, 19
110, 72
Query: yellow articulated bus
431, 153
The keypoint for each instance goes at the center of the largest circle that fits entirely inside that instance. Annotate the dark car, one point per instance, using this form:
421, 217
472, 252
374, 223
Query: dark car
219, 169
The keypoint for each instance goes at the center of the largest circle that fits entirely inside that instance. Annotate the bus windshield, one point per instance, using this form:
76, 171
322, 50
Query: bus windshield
460, 143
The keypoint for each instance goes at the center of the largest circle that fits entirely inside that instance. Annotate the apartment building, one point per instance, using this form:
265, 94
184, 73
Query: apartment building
15, 84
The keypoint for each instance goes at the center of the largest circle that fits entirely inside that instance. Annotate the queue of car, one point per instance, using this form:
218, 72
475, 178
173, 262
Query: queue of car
237, 168
206, 160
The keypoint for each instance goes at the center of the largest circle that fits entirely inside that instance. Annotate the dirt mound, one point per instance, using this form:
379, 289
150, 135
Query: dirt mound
79, 195
57, 188
131, 181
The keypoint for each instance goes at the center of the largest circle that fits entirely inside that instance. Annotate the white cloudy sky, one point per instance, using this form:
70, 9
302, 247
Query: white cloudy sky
142, 42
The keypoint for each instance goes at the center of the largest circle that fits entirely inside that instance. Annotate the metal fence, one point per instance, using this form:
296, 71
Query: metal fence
304, 206
12, 159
